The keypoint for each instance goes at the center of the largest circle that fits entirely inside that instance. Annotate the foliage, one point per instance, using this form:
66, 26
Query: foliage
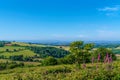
49, 61
69, 59
49, 51
81, 51
12, 48
10, 65
17, 58
103, 51
58, 64
63, 72
25, 53
2, 43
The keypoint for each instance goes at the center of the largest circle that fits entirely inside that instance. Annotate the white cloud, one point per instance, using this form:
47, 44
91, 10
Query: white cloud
116, 8
110, 11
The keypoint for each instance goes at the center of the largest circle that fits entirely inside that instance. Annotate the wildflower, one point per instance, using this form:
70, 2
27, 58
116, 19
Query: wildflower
99, 57
98, 60
84, 65
93, 60
106, 58
110, 59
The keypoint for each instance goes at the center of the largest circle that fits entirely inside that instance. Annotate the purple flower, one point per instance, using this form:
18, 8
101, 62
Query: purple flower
110, 59
93, 60
106, 58
99, 57
84, 65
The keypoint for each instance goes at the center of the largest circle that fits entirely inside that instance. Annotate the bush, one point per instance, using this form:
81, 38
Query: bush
28, 59
69, 59
49, 61
2, 66
17, 57
10, 65
7, 50
103, 52
57, 70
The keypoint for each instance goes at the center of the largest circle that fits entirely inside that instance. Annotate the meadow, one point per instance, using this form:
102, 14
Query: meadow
63, 72
34, 70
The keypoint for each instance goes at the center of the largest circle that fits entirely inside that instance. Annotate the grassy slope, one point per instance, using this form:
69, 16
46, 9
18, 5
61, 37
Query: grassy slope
43, 73
63, 47
21, 50
52, 72
25, 53
26, 44
11, 48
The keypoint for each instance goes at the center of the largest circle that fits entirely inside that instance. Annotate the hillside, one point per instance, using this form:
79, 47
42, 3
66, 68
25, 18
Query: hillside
24, 61
64, 72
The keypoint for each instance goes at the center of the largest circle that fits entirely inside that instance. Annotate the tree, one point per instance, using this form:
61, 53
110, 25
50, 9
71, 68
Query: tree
7, 50
2, 43
69, 59
49, 61
88, 47
81, 51
87, 51
49, 51
77, 48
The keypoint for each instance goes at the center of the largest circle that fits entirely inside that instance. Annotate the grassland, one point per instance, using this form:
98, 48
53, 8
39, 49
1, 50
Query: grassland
62, 72
34, 70
26, 44
25, 53
11, 48
63, 47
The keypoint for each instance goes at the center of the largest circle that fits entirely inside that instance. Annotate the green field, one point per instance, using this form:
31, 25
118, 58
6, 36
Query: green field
116, 51
11, 48
25, 53
26, 44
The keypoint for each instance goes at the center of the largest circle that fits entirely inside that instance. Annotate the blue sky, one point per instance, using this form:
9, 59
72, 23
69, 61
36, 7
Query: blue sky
59, 20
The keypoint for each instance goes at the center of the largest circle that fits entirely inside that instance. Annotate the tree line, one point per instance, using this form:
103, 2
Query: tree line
49, 51
80, 53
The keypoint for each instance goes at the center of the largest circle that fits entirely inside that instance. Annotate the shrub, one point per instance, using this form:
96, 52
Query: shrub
49, 61
57, 70
69, 59
102, 52
17, 57
7, 50
10, 65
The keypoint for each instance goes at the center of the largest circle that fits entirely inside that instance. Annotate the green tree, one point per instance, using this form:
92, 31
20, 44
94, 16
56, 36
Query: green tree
81, 51
7, 50
49, 61
88, 47
77, 49
69, 59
